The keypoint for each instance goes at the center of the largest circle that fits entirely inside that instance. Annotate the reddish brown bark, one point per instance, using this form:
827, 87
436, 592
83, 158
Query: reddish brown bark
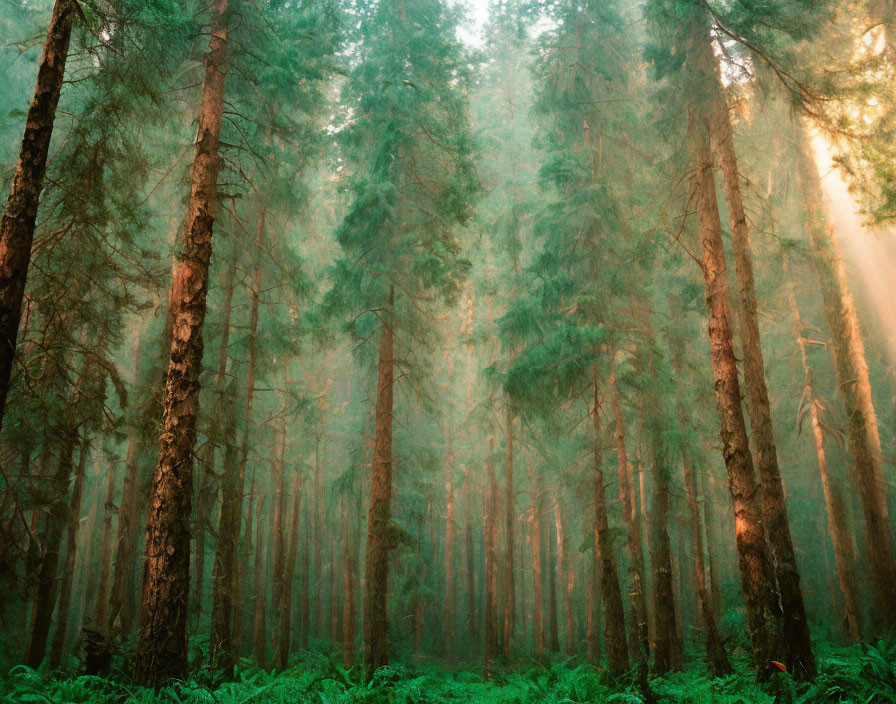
636, 579
57, 649
348, 580
537, 586
379, 517
259, 622
469, 560
509, 525
126, 542
848, 353
162, 651
450, 611
289, 569
800, 659
757, 573
838, 526
614, 612
17, 225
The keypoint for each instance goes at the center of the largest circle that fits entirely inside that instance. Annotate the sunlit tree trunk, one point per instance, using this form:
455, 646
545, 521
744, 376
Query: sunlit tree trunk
838, 526
800, 659
848, 353
57, 649
379, 542
162, 650
20, 215
756, 570
614, 612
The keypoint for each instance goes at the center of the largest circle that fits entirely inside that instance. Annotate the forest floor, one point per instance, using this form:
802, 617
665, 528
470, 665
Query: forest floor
858, 674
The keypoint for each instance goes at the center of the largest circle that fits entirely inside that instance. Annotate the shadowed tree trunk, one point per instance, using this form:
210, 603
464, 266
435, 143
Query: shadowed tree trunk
509, 518
469, 560
449, 613
838, 526
259, 625
348, 579
848, 353
379, 540
289, 570
101, 611
17, 225
756, 571
126, 543
47, 583
162, 651
537, 594
491, 566
57, 649
614, 612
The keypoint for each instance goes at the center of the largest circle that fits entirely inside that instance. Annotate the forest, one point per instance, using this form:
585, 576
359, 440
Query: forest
421, 351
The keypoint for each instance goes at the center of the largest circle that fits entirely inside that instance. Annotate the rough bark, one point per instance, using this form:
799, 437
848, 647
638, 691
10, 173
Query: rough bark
756, 571
838, 526
17, 225
57, 649
848, 353
162, 651
800, 659
379, 517
614, 611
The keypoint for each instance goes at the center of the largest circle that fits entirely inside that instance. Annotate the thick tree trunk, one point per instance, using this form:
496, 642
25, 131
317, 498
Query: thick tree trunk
848, 353
756, 570
17, 225
630, 516
101, 611
553, 620
491, 562
509, 525
614, 612
57, 649
45, 597
162, 651
565, 575
379, 517
838, 526
800, 659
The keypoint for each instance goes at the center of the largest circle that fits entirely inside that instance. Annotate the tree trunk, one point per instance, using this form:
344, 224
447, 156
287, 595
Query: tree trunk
565, 576
757, 574
614, 612
469, 560
449, 614
162, 650
668, 655
348, 578
316, 529
630, 516
379, 517
259, 626
101, 611
289, 570
837, 523
45, 597
848, 353
17, 225
57, 649
510, 518
537, 595
491, 566
800, 659
553, 621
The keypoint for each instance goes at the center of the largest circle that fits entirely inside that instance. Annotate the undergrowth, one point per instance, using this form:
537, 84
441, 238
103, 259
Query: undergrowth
857, 674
